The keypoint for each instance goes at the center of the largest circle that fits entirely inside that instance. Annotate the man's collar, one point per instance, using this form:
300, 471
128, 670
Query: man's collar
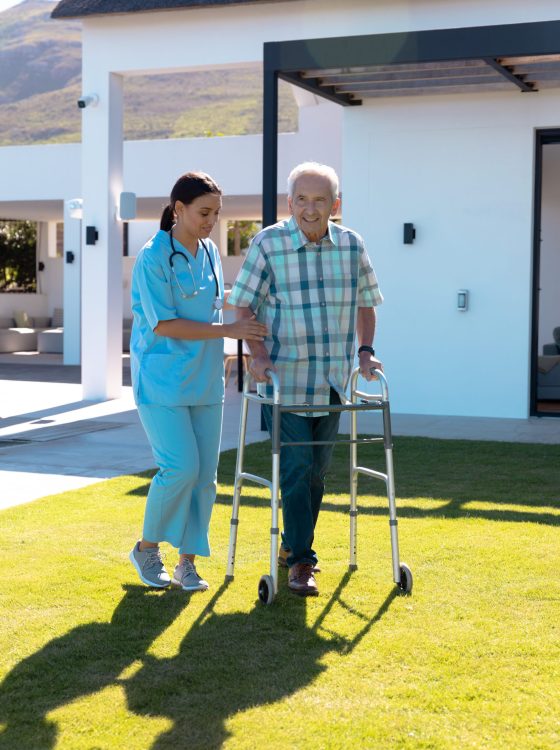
299, 239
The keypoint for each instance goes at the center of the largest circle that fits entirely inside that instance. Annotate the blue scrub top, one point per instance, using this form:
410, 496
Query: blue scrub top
166, 371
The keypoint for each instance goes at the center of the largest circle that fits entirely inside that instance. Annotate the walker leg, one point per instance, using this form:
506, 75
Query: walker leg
268, 584
393, 523
234, 524
238, 482
275, 491
353, 491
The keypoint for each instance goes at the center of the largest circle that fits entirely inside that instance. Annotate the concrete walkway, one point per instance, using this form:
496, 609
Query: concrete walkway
52, 441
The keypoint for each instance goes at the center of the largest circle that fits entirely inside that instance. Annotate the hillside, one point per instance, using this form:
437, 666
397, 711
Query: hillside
40, 81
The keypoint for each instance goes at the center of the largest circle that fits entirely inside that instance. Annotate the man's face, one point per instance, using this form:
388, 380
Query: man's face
312, 204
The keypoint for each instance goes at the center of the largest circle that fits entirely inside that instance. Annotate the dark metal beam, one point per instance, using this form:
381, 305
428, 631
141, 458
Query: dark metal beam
506, 72
440, 45
270, 147
326, 91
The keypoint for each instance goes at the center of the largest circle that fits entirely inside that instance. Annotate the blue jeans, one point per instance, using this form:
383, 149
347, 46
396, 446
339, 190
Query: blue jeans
302, 476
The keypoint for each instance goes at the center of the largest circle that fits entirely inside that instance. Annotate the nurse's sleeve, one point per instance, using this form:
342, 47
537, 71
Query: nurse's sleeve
154, 290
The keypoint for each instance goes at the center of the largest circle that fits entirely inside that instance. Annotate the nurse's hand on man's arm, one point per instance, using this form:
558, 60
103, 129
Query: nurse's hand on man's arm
246, 328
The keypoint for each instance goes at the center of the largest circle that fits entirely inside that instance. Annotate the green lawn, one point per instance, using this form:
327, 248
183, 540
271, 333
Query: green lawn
90, 659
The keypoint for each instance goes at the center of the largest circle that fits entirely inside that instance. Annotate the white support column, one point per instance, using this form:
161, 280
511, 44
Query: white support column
51, 240
102, 164
222, 237
71, 293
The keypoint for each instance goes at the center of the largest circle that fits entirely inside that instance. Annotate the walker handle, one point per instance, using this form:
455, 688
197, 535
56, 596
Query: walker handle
383, 382
273, 377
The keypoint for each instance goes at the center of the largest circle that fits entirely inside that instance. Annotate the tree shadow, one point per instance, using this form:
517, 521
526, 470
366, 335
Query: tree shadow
454, 508
83, 661
454, 473
229, 663
226, 663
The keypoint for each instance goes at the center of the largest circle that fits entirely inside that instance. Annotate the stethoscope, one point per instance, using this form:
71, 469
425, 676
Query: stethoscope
218, 303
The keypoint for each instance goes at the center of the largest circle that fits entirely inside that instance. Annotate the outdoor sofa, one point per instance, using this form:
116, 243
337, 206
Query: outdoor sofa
20, 333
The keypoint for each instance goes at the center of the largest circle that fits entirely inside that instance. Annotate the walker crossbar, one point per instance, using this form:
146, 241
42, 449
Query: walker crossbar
337, 442
268, 584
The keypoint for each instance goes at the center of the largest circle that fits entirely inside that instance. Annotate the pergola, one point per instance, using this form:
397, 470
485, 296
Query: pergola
523, 57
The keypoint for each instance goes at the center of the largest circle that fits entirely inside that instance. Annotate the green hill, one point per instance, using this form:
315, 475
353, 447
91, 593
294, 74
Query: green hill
40, 81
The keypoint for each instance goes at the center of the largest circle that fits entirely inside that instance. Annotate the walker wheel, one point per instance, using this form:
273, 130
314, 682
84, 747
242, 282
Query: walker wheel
405, 583
266, 590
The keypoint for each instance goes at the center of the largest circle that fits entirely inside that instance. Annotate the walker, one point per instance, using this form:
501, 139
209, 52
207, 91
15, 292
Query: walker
359, 401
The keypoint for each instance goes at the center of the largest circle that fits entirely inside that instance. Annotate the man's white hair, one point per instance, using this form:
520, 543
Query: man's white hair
313, 167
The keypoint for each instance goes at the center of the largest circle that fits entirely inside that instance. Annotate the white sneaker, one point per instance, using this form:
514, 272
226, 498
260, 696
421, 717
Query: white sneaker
149, 566
187, 578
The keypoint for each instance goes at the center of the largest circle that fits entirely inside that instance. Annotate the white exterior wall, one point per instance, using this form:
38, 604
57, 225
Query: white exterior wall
460, 169
39, 173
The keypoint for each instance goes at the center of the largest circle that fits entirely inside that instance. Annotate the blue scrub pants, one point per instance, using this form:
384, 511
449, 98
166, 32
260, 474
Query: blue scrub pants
185, 441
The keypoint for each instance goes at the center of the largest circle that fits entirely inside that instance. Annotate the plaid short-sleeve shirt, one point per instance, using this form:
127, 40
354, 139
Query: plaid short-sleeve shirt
308, 296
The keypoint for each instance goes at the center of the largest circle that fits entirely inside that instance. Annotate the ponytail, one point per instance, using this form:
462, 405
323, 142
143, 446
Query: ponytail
167, 218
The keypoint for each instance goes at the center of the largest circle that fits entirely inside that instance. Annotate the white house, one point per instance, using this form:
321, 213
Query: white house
440, 115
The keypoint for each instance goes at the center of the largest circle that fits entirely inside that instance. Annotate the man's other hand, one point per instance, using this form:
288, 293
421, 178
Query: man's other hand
258, 367
367, 363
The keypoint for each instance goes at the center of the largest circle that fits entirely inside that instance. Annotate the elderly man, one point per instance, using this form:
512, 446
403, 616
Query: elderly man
312, 283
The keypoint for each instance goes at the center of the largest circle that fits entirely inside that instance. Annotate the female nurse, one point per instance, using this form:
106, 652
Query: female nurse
177, 369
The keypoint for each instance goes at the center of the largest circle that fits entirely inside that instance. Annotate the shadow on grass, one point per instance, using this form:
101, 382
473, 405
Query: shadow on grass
81, 662
454, 472
229, 663
226, 663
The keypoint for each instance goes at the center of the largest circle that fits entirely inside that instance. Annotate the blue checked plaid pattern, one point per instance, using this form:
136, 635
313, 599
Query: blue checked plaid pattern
308, 296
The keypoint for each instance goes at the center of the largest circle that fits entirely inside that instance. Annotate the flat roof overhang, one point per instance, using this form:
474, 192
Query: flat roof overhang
521, 57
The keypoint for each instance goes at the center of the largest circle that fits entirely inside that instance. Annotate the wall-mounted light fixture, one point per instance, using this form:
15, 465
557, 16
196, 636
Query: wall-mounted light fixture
92, 235
69, 256
75, 208
463, 300
409, 233
40, 266
126, 210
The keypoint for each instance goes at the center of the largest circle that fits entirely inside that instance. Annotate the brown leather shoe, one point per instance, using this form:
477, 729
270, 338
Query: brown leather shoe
283, 555
301, 580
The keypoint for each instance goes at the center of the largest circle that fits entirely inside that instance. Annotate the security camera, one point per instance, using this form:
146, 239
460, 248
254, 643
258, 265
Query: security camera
88, 101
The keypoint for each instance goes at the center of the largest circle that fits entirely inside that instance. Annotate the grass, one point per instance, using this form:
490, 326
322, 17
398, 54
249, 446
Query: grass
89, 659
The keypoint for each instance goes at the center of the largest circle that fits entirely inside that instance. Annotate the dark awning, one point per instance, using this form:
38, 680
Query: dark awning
511, 57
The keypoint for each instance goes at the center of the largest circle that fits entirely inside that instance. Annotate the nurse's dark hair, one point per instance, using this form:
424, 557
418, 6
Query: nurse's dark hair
188, 188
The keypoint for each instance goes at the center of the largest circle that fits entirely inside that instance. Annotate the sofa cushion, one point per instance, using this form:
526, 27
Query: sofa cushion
57, 317
18, 340
22, 319
6, 322
41, 321
51, 341
556, 335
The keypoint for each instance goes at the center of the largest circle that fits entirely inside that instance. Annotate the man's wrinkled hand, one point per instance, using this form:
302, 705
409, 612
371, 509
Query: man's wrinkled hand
368, 363
258, 366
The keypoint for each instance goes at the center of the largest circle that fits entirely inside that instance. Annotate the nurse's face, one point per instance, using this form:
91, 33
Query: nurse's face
198, 218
